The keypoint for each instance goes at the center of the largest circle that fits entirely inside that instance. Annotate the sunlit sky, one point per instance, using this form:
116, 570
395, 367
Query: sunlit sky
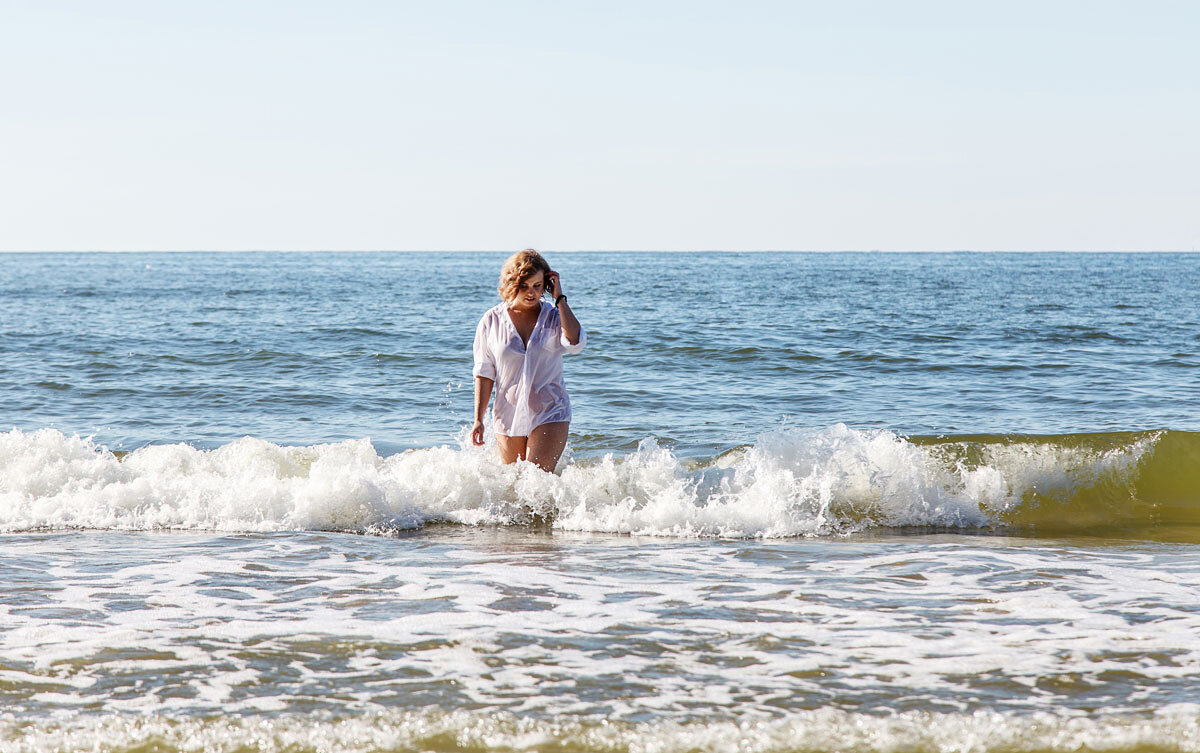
599, 125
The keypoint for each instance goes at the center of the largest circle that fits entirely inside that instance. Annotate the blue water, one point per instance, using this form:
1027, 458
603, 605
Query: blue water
704, 350
818, 502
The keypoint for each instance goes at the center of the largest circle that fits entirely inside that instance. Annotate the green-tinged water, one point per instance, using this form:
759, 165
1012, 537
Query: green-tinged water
1121, 484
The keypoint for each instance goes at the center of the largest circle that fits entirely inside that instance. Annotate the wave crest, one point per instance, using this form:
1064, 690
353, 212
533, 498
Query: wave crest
790, 482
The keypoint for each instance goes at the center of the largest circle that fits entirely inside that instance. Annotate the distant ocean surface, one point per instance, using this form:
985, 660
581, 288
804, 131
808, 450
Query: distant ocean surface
811, 502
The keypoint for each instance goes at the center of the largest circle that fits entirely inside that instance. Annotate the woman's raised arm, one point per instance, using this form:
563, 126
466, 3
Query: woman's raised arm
570, 325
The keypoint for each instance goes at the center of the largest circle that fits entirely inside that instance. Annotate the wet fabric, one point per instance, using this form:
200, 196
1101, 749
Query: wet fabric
529, 389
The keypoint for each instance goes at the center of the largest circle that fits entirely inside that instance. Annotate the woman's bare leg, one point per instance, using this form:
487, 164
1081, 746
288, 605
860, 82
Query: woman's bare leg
512, 449
546, 444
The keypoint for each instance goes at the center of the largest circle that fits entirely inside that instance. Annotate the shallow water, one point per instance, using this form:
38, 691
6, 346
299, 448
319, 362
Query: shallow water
812, 502
542, 629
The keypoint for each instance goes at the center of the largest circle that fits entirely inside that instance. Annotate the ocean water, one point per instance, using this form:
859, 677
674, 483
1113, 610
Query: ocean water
811, 502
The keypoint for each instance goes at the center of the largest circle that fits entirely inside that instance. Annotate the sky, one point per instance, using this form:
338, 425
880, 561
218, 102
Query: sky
572, 124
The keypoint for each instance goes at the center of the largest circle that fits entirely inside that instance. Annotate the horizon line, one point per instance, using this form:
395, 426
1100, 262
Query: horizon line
598, 251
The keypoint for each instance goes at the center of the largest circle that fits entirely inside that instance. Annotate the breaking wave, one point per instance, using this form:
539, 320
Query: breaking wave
790, 482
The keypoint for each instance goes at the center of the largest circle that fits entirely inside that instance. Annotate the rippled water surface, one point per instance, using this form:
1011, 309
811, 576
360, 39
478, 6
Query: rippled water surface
893, 502
707, 350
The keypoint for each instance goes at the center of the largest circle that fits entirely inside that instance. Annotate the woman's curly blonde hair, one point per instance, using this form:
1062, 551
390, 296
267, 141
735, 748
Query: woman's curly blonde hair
519, 268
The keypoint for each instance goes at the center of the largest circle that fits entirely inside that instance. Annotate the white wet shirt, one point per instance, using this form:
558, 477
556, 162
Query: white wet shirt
529, 387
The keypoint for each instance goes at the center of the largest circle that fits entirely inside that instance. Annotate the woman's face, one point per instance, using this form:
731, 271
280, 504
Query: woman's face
531, 290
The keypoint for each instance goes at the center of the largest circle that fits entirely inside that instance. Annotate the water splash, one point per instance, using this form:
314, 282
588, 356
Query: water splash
790, 482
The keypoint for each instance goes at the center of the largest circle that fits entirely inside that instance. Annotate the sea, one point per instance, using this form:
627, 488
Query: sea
886, 502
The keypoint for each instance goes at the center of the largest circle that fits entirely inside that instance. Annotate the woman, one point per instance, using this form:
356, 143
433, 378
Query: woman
519, 345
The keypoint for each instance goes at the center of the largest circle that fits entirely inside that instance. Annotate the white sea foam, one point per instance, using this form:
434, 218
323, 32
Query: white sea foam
592, 625
813, 731
789, 483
